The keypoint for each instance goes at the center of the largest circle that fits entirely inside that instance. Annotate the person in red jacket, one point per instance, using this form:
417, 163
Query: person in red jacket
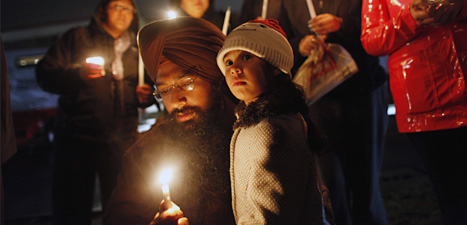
427, 65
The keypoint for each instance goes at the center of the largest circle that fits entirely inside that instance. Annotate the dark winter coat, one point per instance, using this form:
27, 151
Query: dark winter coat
87, 108
293, 17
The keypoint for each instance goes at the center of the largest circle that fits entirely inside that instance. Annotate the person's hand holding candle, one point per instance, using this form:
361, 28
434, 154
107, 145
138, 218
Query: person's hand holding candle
169, 216
169, 213
143, 92
324, 24
93, 68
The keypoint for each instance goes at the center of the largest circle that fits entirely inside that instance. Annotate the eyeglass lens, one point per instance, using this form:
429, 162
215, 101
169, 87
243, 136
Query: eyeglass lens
187, 85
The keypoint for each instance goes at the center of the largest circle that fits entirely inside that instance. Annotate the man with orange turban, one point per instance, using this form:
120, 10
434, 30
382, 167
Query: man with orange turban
193, 137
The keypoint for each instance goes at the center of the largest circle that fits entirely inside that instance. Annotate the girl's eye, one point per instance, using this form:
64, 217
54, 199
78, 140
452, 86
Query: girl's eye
246, 57
228, 62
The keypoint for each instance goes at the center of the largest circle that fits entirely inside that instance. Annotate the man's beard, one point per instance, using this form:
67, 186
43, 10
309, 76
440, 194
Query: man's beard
202, 146
204, 120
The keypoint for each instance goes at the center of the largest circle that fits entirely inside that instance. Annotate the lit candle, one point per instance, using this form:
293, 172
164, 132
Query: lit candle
264, 12
311, 9
164, 179
225, 27
171, 15
98, 61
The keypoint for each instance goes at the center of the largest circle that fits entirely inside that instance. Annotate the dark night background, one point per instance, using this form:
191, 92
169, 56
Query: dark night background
29, 27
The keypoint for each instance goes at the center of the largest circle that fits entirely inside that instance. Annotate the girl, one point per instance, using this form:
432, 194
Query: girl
273, 172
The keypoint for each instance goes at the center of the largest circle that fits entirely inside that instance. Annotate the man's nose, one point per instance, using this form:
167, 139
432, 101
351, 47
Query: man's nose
178, 97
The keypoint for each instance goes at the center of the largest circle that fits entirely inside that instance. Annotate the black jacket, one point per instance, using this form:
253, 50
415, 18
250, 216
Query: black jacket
293, 17
86, 108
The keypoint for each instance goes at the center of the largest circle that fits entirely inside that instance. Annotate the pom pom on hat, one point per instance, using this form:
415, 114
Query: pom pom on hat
271, 23
263, 38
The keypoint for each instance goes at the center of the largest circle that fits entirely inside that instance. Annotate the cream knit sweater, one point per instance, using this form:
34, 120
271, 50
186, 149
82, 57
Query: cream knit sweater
274, 174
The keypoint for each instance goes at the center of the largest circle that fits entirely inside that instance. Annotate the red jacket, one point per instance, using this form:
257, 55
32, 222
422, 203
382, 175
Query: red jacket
427, 65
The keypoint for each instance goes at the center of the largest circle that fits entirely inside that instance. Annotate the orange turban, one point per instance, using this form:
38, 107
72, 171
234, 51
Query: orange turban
189, 42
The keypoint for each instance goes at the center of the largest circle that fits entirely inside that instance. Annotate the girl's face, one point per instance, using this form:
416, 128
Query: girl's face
246, 75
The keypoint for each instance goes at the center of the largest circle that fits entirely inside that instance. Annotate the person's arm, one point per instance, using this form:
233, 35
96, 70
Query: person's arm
145, 93
342, 26
463, 14
56, 73
382, 35
132, 200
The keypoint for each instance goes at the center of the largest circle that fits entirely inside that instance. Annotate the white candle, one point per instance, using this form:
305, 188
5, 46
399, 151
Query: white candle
225, 27
311, 8
166, 193
98, 61
264, 12
164, 179
140, 71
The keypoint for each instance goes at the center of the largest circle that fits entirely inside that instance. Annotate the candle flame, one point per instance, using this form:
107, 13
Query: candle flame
95, 60
165, 188
166, 175
171, 14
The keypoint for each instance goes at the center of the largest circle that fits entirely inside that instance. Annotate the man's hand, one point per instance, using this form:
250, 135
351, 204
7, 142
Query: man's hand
308, 43
324, 24
171, 216
91, 71
143, 92
419, 12
435, 13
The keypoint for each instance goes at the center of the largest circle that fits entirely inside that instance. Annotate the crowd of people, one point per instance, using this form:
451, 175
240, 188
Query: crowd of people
246, 145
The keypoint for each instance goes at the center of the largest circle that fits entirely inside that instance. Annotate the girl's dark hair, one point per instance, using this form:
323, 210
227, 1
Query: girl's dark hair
316, 141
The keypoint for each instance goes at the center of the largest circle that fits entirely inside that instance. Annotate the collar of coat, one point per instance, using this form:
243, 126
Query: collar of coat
282, 100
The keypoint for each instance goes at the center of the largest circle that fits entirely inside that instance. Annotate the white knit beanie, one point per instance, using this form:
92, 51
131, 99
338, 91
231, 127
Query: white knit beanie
263, 38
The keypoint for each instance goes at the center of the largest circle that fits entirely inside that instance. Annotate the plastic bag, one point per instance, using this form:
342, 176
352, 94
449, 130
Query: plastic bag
324, 69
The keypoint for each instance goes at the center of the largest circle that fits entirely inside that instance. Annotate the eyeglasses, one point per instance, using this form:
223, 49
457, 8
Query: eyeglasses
122, 8
186, 84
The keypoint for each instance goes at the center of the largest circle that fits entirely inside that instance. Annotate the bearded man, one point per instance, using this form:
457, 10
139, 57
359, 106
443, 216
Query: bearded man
193, 137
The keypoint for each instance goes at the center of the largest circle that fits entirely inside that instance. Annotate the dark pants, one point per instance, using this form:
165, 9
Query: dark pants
444, 154
355, 126
77, 161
